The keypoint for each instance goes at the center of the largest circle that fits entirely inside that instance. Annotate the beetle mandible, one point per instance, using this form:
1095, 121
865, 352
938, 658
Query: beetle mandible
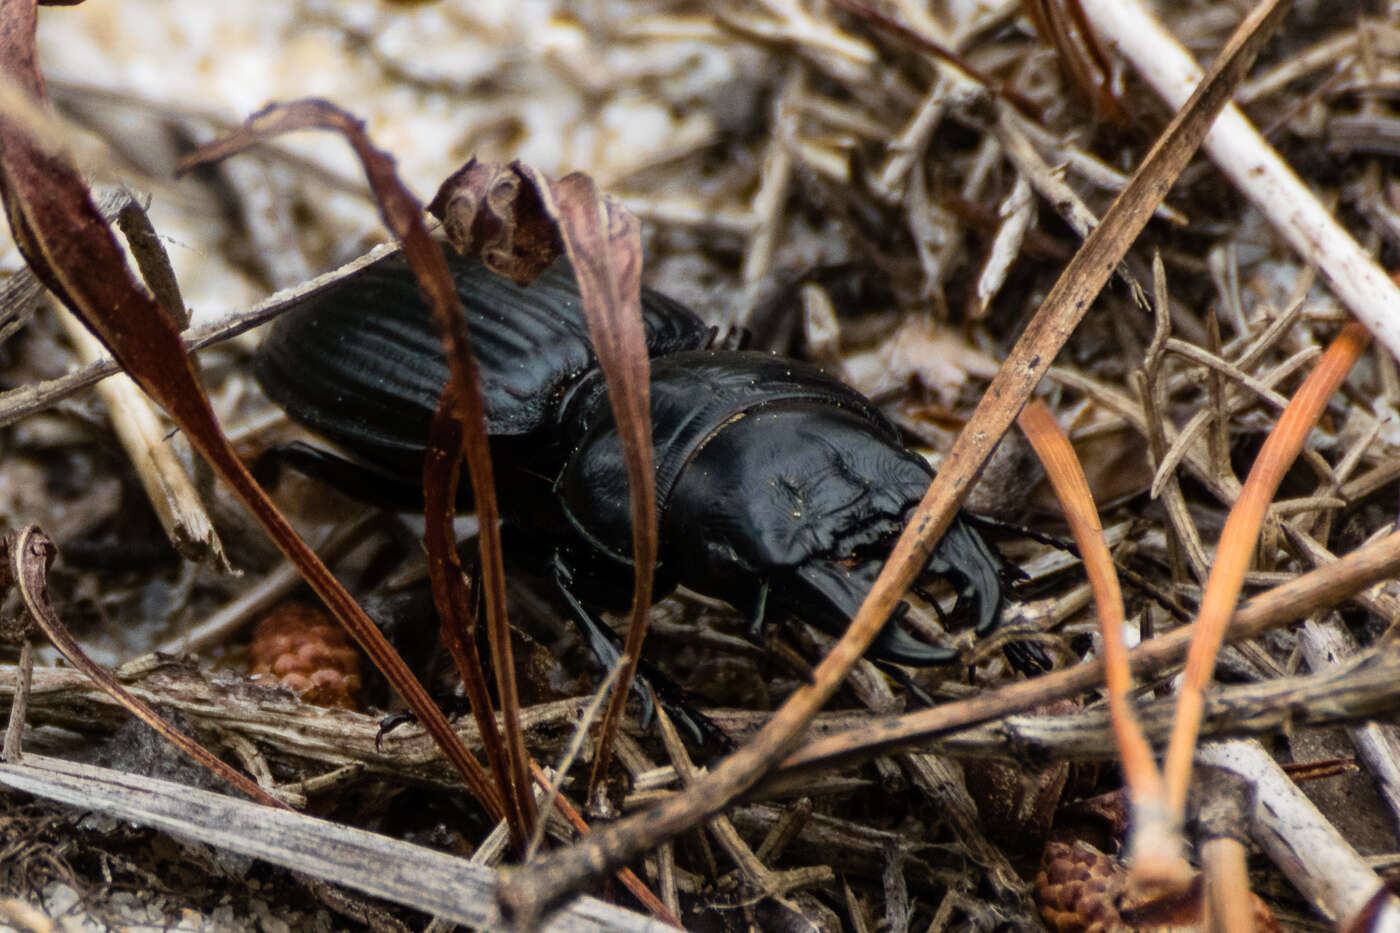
780, 490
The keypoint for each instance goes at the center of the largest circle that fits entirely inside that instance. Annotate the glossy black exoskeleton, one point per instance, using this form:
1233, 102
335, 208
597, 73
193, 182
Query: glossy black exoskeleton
361, 364
780, 490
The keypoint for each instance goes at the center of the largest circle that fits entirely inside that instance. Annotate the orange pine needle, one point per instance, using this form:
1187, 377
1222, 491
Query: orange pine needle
1236, 548
1156, 847
1072, 488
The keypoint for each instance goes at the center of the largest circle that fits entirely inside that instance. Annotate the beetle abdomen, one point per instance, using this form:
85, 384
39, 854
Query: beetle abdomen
361, 363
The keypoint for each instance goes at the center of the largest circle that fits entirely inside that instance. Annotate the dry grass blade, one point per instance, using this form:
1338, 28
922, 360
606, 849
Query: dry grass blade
629, 879
442, 460
30, 553
1067, 476
530, 891
604, 242
168, 487
459, 426
147, 442
518, 221
566, 760
1237, 542
19, 706
1156, 847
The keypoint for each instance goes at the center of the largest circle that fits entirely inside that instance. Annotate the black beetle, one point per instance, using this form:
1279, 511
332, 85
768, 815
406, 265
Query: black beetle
780, 490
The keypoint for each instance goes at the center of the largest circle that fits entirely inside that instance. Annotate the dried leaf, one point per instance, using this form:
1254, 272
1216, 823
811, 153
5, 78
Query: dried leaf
29, 554
516, 220
490, 211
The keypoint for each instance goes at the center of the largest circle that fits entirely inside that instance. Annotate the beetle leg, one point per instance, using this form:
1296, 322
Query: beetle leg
894, 643
603, 648
758, 613
899, 675
1027, 657
698, 727
898, 646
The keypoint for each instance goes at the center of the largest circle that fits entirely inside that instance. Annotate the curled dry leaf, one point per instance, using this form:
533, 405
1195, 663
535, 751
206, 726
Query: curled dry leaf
29, 554
490, 211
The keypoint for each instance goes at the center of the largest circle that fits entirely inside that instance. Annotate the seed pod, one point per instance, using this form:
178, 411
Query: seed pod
309, 654
1081, 890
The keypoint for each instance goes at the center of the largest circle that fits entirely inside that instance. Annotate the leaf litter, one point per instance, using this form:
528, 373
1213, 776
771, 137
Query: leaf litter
784, 157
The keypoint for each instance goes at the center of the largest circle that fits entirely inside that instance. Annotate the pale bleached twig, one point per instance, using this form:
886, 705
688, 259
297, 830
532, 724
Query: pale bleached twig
1017, 211
1254, 167
26, 400
1326, 644
1299, 840
424, 879
147, 442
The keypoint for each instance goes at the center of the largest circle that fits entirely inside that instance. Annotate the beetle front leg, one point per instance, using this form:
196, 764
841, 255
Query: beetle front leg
829, 594
697, 726
604, 649
898, 646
